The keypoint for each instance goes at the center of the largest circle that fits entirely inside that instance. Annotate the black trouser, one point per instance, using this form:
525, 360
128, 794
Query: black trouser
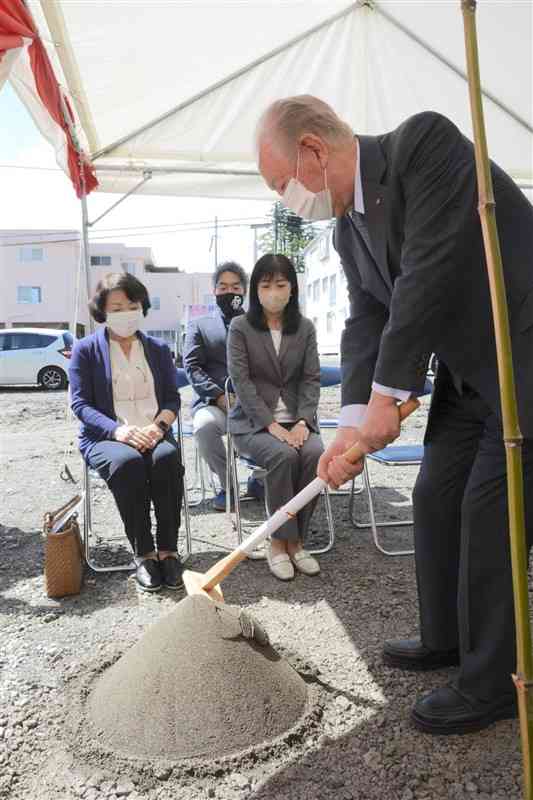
462, 551
136, 479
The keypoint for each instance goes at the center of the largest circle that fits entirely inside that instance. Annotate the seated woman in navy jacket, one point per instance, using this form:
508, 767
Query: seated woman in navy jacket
123, 390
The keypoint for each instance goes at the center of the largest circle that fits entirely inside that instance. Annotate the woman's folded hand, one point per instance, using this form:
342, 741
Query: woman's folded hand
154, 432
299, 434
134, 436
277, 430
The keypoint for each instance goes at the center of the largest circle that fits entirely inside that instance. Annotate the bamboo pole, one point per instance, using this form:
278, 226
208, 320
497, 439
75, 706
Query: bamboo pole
511, 431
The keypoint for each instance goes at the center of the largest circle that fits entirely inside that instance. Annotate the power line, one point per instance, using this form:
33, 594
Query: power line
29, 167
174, 227
201, 229
176, 224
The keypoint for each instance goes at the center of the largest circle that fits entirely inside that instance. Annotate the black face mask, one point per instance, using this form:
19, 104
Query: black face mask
230, 303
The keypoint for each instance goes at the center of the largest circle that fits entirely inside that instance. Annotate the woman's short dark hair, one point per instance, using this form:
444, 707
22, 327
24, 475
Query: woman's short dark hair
269, 265
123, 281
231, 266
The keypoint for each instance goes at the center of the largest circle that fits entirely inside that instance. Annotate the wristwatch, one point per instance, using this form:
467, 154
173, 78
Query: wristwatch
302, 422
162, 425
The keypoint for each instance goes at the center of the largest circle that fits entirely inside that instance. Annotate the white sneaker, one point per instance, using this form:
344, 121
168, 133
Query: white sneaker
280, 565
305, 563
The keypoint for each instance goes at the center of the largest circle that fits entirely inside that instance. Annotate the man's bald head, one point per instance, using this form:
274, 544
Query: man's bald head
286, 121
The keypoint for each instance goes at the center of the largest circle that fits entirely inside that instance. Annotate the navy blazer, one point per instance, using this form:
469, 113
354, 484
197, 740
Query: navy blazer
91, 387
205, 358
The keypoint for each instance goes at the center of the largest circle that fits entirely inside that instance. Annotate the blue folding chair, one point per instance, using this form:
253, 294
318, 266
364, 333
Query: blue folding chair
331, 376
200, 467
401, 455
393, 456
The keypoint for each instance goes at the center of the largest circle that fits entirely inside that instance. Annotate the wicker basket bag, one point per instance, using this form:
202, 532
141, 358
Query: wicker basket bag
63, 561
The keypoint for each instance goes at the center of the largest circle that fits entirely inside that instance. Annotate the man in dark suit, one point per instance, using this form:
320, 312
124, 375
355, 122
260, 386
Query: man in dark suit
409, 238
205, 363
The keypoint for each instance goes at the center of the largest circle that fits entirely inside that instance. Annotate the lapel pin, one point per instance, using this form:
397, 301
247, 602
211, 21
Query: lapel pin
378, 201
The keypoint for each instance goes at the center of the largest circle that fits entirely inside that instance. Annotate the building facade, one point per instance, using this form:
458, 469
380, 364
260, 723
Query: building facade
39, 272
324, 293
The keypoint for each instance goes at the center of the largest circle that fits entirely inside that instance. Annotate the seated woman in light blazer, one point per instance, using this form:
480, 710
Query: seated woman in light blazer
124, 391
274, 367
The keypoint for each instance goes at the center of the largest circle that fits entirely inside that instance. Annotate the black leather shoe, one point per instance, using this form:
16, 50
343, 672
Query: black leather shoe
148, 575
171, 572
411, 654
447, 711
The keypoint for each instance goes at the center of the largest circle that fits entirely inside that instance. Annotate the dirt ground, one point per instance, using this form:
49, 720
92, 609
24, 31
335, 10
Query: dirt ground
357, 745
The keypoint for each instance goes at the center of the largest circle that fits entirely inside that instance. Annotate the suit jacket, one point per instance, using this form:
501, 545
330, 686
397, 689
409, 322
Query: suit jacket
205, 358
260, 377
424, 287
91, 386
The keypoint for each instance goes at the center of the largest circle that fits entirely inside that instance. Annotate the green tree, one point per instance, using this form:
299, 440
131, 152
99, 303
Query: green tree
288, 234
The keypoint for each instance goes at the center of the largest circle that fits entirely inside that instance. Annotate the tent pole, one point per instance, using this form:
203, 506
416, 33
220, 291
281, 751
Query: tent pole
86, 254
146, 177
511, 432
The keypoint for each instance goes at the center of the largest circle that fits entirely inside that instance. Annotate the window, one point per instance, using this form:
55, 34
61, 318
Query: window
332, 290
315, 322
101, 261
129, 266
316, 291
28, 294
325, 284
323, 247
27, 254
156, 303
309, 291
330, 322
4, 341
342, 276
28, 341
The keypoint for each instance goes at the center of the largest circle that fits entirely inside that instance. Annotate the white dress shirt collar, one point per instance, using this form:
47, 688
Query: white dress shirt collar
358, 201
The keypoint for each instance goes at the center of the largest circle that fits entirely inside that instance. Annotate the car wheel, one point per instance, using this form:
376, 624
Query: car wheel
52, 378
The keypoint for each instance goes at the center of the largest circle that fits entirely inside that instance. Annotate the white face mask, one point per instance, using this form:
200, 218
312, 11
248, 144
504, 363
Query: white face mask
274, 300
313, 206
124, 323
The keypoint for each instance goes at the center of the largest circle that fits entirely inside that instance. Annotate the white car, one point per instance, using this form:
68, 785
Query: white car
35, 355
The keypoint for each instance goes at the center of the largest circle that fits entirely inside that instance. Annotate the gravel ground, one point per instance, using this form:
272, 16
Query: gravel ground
358, 745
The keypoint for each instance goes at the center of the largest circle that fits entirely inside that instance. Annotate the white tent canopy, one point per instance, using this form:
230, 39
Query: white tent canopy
172, 89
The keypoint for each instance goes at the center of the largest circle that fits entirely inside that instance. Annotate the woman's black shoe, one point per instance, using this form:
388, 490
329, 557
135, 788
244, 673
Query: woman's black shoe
148, 575
171, 572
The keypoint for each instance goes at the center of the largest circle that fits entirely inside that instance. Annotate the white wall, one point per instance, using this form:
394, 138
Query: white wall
326, 297
54, 280
53, 276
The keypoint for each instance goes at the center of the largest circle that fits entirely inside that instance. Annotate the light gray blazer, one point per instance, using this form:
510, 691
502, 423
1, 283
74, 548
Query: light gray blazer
260, 376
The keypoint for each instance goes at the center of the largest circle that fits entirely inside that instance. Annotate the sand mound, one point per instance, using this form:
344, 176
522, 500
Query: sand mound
193, 686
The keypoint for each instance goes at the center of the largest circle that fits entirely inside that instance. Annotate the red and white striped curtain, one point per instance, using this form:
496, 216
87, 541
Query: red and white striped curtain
24, 59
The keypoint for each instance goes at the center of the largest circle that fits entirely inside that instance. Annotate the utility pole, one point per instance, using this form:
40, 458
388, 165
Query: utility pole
255, 228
